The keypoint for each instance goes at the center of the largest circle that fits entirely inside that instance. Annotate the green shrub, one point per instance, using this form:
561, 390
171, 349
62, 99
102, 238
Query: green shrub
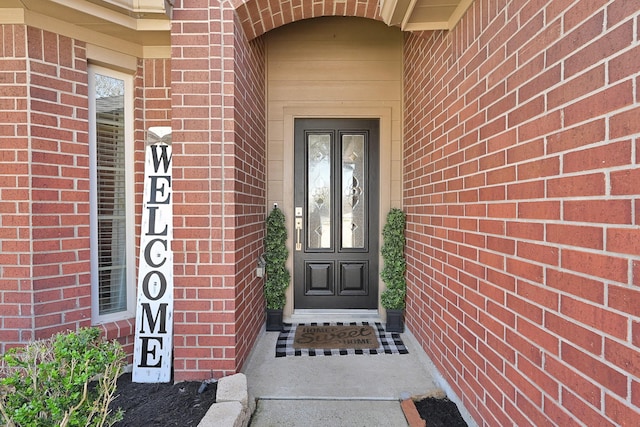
67, 380
393, 297
275, 255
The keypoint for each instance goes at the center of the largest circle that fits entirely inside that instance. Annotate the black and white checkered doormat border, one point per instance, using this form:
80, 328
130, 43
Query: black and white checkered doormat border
390, 343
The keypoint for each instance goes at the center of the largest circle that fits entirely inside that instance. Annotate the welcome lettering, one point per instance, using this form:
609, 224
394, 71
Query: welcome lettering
154, 316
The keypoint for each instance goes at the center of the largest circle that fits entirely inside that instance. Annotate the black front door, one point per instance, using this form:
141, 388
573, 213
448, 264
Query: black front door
336, 214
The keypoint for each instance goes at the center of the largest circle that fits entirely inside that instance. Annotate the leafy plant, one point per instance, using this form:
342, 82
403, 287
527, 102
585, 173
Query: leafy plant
276, 254
395, 265
66, 380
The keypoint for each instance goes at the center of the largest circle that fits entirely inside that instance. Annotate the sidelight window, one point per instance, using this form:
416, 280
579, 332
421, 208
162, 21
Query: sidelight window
111, 193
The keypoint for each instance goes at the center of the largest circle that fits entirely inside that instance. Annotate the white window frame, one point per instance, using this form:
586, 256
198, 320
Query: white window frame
129, 311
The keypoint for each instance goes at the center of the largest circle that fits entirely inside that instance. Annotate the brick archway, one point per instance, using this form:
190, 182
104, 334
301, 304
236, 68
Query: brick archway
259, 16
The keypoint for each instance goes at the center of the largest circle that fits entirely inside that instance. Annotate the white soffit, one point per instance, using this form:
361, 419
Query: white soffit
422, 15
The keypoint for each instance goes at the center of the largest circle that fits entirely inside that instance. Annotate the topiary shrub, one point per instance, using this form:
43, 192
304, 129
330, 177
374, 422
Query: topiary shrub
393, 297
275, 255
67, 380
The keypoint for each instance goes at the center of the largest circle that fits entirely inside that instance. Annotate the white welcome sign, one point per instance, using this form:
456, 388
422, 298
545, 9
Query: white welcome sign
152, 354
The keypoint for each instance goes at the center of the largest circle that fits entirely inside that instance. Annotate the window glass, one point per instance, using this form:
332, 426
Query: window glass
110, 117
319, 191
354, 187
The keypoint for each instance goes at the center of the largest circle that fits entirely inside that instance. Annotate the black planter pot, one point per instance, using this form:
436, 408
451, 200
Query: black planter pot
274, 320
395, 321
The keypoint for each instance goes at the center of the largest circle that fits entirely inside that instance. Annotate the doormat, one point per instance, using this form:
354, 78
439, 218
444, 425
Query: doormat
326, 339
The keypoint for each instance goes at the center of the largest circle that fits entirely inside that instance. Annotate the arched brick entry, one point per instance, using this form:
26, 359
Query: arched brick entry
259, 16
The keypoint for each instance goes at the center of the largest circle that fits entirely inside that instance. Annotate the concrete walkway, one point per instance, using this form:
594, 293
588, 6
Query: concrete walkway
354, 390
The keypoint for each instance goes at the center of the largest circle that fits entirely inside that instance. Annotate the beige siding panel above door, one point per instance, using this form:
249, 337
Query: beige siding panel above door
336, 50
334, 90
335, 70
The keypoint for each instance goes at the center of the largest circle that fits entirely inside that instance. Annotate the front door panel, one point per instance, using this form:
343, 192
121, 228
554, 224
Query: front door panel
336, 199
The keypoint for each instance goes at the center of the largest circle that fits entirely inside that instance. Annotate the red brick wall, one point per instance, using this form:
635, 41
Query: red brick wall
219, 203
16, 321
521, 188
59, 182
250, 183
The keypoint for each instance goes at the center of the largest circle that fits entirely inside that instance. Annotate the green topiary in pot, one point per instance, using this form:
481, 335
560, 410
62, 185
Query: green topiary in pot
395, 265
276, 254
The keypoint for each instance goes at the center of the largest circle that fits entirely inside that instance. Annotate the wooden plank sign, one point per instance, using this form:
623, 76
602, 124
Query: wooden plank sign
152, 354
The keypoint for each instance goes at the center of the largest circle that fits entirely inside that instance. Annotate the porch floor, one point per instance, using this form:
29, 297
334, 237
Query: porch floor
353, 390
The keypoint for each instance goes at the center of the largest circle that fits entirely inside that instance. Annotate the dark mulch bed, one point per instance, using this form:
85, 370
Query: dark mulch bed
164, 404
440, 412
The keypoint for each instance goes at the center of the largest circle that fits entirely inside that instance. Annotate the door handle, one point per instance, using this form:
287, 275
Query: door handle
298, 234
